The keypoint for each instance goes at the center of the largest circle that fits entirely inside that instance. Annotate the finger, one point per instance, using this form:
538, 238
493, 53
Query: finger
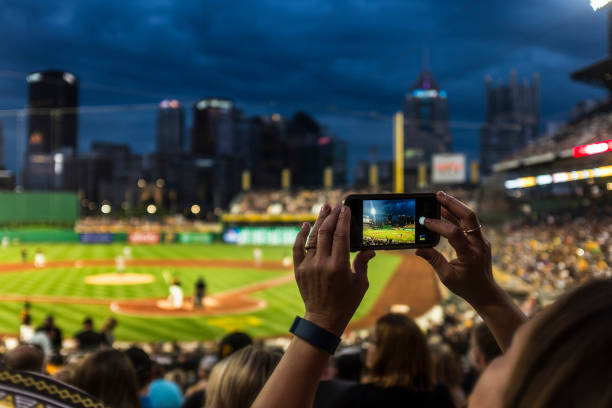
298, 246
453, 233
464, 214
323, 213
326, 232
341, 247
360, 263
450, 217
436, 260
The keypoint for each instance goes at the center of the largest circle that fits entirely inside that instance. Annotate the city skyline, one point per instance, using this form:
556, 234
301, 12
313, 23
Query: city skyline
339, 62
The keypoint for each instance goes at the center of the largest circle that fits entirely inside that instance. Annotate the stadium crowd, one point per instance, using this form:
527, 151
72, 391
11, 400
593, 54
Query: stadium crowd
437, 361
591, 128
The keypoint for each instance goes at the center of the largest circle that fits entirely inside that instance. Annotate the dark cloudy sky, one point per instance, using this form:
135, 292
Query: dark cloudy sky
347, 62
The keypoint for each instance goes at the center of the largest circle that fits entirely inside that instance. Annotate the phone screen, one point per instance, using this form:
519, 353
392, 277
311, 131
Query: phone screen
388, 222
391, 221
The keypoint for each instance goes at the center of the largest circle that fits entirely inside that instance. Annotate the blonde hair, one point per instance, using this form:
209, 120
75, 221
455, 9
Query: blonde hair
235, 381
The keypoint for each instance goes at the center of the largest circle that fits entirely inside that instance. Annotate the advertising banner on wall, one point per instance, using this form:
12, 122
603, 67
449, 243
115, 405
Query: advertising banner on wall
144, 237
448, 169
96, 238
195, 238
261, 235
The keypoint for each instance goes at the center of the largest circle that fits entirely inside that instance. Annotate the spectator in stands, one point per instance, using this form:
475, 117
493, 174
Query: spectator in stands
400, 369
108, 331
232, 343
447, 372
109, 376
164, 393
559, 358
26, 331
87, 339
53, 332
142, 367
330, 387
25, 358
194, 396
483, 347
236, 381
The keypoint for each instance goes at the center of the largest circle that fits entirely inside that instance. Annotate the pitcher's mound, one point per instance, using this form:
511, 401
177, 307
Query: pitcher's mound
119, 279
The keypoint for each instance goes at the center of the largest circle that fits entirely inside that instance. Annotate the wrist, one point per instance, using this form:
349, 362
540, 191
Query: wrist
335, 325
493, 295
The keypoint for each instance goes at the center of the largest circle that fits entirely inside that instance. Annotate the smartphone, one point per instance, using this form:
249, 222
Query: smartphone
391, 221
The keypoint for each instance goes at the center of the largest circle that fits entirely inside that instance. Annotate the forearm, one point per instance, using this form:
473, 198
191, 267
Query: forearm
501, 315
296, 378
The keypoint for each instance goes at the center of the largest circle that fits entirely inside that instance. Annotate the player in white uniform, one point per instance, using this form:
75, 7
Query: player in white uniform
39, 259
120, 264
176, 295
257, 256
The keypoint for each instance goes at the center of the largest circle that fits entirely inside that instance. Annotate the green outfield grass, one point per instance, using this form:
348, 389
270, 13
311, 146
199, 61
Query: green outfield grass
283, 301
405, 236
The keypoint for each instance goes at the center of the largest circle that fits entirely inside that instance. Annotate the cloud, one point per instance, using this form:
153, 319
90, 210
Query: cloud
354, 55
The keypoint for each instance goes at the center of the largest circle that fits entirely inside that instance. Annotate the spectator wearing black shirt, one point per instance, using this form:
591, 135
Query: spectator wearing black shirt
53, 332
87, 338
400, 369
199, 293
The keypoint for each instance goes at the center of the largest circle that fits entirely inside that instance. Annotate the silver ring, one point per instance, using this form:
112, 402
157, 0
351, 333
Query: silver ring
473, 229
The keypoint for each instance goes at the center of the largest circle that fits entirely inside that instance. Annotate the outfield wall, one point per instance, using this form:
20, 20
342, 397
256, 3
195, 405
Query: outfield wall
31, 208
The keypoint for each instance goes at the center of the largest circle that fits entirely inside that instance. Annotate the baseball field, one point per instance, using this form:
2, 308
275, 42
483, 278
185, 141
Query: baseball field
261, 300
398, 235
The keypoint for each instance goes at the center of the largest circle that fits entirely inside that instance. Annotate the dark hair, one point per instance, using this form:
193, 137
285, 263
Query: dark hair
88, 321
233, 342
26, 358
142, 365
109, 375
348, 366
566, 359
402, 358
446, 366
487, 345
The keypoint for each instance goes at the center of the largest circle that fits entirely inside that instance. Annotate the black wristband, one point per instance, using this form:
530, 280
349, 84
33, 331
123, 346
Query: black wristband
315, 335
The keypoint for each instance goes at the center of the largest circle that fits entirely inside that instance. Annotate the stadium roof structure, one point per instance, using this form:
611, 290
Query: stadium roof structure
597, 74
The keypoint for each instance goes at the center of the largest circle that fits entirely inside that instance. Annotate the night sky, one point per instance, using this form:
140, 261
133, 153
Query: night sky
347, 62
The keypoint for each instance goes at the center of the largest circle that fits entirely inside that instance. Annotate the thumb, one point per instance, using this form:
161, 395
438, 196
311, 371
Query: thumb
360, 263
435, 259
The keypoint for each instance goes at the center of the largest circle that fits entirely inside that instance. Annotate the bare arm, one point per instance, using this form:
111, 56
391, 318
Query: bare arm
470, 275
331, 291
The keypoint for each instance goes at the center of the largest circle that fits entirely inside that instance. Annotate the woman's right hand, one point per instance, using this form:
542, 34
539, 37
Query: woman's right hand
470, 274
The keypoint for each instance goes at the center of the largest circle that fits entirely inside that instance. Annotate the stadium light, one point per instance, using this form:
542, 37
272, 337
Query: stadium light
105, 208
373, 211
593, 148
151, 209
141, 183
597, 4
160, 182
195, 209
560, 177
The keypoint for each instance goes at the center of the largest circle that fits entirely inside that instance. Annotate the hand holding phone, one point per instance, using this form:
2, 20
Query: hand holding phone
391, 221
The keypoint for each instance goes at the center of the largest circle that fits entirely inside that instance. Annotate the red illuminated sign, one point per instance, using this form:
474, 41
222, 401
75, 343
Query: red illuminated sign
593, 148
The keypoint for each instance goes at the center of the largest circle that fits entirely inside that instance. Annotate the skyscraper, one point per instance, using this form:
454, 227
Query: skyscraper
213, 122
513, 119
52, 116
426, 125
170, 127
1, 148
52, 130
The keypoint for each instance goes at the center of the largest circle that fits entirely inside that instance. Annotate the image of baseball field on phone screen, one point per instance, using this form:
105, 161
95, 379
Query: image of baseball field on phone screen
388, 222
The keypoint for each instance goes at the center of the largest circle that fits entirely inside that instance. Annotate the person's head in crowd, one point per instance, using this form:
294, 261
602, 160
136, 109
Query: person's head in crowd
398, 355
232, 343
66, 373
109, 376
236, 380
27, 320
445, 366
348, 366
88, 323
49, 321
142, 366
206, 365
560, 358
25, 358
483, 347
109, 324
